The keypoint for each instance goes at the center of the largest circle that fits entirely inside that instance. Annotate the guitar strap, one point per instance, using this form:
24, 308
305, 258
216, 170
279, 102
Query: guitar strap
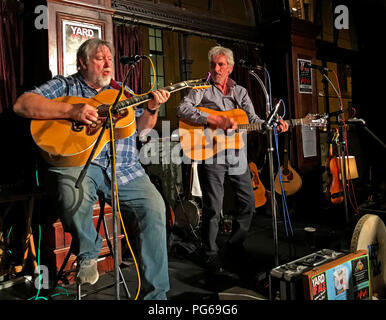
118, 87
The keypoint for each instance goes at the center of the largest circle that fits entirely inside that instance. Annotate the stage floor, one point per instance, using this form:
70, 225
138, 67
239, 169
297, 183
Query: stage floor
248, 277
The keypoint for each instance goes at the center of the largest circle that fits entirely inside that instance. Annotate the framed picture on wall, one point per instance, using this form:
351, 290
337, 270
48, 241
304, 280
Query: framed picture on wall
74, 34
73, 31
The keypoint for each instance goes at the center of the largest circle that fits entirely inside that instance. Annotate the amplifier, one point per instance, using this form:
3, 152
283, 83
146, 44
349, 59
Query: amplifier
325, 274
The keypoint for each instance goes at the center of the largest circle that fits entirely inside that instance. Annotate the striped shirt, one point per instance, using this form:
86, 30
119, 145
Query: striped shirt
128, 166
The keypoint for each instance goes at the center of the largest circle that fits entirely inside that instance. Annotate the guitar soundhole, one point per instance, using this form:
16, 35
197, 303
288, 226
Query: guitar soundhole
77, 126
288, 174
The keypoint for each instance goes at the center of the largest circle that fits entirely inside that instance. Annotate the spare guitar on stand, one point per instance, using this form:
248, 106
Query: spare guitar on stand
291, 180
258, 188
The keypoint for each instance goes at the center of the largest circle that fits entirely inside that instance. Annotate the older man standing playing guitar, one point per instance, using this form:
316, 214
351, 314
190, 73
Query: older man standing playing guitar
224, 95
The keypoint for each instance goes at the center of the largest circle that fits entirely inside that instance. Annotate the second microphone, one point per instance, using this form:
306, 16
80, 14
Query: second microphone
131, 59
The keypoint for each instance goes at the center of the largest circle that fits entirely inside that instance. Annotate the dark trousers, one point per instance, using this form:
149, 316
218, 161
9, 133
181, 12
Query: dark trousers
211, 177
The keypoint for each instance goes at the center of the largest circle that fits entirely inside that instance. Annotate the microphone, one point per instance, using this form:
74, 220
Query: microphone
244, 64
315, 66
131, 59
356, 120
335, 114
272, 115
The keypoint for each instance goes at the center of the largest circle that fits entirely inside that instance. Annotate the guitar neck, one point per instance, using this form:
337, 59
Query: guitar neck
258, 126
295, 122
285, 156
138, 100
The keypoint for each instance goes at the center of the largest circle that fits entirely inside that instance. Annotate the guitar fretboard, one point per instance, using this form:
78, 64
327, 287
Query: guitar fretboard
258, 126
137, 100
134, 101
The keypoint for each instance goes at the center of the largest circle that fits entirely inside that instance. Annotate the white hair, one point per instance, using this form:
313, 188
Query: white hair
228, 53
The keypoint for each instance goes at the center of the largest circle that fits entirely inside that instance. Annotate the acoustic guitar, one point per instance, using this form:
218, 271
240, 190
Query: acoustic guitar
291, 180
258, 188
201, 142
69, 143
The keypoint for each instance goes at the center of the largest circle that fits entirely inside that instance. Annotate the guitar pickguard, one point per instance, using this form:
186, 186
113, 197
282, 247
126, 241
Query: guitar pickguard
95, 126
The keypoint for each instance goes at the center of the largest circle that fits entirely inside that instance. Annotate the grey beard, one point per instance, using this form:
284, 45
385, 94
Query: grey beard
103, 81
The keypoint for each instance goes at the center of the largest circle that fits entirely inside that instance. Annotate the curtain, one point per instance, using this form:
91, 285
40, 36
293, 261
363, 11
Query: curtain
252, 56
11, 52
128, 42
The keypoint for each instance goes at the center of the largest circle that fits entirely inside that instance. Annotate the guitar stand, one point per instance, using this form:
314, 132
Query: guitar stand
101, 219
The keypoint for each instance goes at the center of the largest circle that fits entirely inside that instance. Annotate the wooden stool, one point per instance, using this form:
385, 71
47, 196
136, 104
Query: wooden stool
101, 219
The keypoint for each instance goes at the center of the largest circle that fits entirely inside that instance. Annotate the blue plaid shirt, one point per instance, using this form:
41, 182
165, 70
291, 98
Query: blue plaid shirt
128, 166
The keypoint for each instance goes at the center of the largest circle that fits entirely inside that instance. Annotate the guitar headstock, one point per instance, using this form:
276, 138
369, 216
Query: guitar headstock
315, 120
200, 84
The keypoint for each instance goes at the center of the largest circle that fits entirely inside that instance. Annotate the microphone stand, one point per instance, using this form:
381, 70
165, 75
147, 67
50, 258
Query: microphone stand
374, 136
107, 125
342, 148
342, 153
268, 128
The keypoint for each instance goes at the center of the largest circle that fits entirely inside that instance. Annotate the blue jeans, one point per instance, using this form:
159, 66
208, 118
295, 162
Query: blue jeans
140, 202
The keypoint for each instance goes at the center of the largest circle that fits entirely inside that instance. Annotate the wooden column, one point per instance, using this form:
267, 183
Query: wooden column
302, 47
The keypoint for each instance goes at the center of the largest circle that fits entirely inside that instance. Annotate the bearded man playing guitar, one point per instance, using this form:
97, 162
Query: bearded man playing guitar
224, 95
138, 197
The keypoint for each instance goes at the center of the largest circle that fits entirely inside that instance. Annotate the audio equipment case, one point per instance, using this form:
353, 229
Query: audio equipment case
323, 275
